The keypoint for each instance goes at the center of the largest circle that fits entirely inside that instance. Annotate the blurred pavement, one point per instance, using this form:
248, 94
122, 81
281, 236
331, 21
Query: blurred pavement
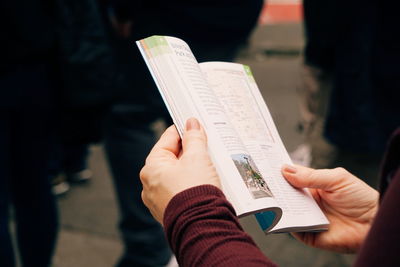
88, 213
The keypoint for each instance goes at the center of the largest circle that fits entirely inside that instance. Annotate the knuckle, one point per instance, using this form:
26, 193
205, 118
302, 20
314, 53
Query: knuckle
312, 174
144, 198
198, 157
196, 137
341, 171
143, 174
343, 176
147, 160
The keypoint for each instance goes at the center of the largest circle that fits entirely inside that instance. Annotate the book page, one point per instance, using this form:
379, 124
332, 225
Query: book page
245, 108
187, 94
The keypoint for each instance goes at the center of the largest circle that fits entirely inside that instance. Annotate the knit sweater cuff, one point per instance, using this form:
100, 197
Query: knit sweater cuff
184, 200
185, 207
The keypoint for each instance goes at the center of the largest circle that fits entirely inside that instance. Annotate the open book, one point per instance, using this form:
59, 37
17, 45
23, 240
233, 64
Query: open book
243, 141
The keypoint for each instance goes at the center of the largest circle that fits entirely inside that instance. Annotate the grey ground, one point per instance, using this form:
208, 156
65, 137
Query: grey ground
88, 213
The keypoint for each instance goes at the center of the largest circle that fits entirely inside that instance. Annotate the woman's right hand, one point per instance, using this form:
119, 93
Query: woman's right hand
349, 204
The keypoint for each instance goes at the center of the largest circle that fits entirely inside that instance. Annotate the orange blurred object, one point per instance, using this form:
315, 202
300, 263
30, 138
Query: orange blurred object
281, 11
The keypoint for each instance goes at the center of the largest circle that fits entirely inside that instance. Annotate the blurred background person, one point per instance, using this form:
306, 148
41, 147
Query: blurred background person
88, 76
214, 31
28, 82
348, 92
53, 91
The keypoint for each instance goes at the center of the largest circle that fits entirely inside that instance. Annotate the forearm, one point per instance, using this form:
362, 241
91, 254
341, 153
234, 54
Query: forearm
381, 247
203, 230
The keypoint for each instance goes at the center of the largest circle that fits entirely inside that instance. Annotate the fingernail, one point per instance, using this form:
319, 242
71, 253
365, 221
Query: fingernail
192, 124
289, 168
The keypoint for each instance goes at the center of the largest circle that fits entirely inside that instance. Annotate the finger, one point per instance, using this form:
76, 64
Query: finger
194, 137
325, 179
169, 141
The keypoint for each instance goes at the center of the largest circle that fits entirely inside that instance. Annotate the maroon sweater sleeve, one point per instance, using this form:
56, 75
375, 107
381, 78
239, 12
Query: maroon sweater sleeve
382, 245
202, 229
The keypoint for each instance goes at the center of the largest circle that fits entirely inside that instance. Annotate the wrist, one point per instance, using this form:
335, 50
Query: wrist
184, 200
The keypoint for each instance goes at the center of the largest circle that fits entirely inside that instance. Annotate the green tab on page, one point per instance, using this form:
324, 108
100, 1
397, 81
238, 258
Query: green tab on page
249, 73
158, 45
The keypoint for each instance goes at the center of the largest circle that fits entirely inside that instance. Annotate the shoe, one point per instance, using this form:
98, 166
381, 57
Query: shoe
59, 185
80, 177
302, 155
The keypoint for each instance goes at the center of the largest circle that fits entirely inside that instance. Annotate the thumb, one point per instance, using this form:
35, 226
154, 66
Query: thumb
194, 137
325, 179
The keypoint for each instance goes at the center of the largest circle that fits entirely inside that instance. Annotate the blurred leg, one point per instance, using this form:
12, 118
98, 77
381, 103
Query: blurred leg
55, 159
75, 157
128, 142
314, 94
35, 207
6, 249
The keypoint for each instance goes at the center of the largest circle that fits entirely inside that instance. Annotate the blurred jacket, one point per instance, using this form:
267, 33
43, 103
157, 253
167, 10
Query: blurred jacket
217, 21
212, 26
28, 46
28, 30
87, 68
64, 43
85, 56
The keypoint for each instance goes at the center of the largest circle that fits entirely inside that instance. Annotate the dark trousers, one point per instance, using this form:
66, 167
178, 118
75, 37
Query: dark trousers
25, 131
128, 142
24, 184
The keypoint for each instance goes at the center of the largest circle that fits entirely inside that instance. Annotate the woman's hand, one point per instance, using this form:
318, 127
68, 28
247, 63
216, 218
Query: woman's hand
349, 204
173, 167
